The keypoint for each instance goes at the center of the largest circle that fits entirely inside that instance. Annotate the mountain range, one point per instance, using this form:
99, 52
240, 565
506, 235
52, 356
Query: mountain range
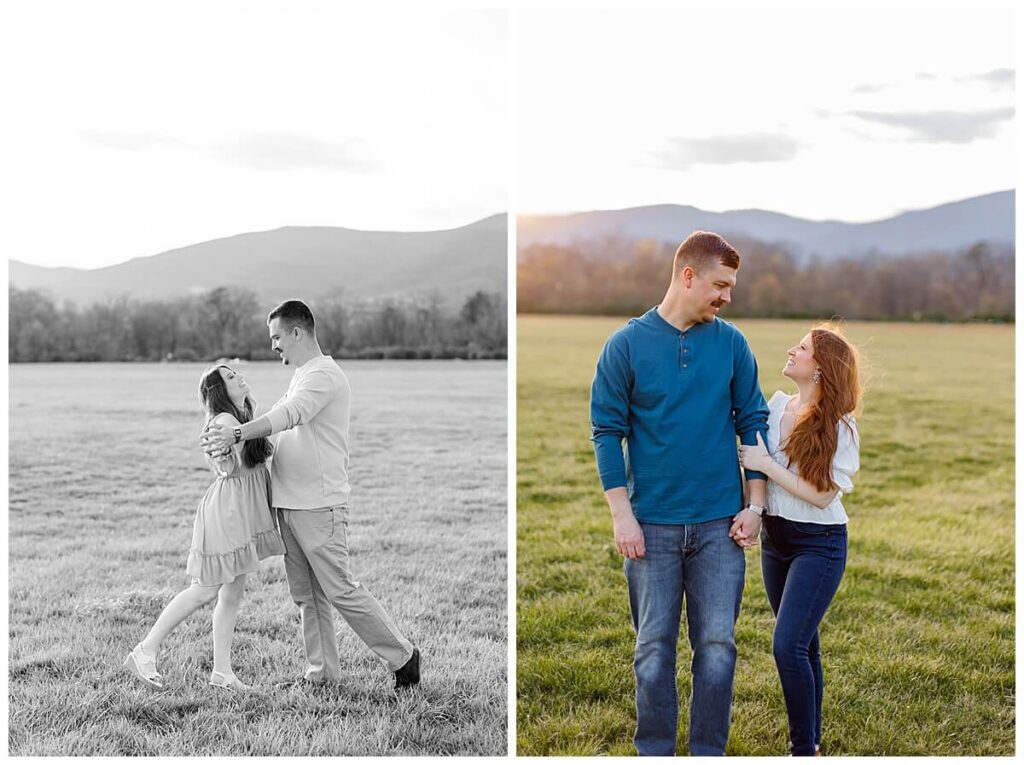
299, 262
952, 226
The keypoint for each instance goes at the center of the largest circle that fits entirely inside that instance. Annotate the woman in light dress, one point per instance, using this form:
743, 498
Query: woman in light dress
233, 531
810, 459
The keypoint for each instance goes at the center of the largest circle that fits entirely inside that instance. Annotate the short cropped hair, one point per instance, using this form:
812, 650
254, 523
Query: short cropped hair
294, 313
703, 249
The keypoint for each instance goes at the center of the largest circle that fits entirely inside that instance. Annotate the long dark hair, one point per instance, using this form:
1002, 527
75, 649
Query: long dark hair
213, 395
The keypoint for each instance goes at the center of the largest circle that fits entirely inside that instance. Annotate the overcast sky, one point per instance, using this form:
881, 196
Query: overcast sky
137, 127
849, 114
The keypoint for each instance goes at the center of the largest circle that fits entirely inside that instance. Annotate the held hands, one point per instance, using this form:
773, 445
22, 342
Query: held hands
755, 457
746, 526
217, 440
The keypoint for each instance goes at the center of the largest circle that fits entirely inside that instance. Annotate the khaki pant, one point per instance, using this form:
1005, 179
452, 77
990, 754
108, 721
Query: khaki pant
319, 577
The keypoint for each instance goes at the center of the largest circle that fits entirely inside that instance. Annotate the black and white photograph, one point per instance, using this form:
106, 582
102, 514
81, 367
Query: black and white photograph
258, 383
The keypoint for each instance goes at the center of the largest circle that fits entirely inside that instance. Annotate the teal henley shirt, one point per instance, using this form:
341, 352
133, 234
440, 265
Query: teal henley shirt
677, 400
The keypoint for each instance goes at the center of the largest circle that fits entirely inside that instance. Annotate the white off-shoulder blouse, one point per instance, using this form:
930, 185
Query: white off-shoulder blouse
845, 465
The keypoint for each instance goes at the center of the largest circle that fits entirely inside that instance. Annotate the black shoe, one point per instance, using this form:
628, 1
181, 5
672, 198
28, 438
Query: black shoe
409, 674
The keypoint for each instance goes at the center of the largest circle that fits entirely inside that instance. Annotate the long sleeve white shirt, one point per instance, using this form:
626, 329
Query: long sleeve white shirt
309, 469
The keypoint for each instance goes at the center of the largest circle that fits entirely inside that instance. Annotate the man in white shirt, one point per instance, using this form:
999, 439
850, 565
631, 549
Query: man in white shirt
309, 476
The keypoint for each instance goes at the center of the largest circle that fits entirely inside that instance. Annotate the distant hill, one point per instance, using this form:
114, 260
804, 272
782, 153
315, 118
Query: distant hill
300, 261
946, 227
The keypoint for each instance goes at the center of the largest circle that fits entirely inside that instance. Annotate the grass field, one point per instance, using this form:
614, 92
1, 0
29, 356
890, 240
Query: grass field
105, 475
918, 645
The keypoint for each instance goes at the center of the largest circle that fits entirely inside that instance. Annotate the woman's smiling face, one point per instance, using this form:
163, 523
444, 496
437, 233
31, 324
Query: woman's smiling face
236, 386
800, 364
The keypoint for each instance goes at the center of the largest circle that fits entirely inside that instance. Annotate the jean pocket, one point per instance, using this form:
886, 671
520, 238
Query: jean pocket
340, 514
806, 529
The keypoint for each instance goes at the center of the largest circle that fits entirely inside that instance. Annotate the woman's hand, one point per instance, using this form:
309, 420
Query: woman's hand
217, 440
755, 457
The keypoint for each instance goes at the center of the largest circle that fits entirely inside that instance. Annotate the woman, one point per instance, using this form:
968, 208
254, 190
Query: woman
234, 530
810, 460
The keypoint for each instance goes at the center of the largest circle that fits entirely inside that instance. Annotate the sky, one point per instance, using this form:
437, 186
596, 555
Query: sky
855, 115
142, 127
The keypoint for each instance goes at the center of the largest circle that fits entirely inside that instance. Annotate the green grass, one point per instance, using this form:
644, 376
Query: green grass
919, 643
105, 475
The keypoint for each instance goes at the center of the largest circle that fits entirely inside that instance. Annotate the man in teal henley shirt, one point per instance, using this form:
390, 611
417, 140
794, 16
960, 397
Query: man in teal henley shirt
677, 386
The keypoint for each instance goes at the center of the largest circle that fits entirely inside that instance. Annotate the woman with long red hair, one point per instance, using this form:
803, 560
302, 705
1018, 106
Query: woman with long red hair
812, 454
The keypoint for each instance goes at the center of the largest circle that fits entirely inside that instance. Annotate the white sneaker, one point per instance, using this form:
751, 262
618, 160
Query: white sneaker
143, 666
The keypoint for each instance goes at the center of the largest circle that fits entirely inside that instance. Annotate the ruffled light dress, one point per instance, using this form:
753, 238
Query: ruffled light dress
234, 528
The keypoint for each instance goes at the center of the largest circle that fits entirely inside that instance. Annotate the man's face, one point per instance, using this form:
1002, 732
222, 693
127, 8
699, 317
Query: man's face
712, 289
282, 339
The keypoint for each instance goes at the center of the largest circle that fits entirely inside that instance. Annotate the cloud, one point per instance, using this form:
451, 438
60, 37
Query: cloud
997, 79
869, 88
129, 141
728, 150
285, 151
942, 126
262, 151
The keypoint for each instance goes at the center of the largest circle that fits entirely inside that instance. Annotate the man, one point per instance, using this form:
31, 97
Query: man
678, 384
309, 475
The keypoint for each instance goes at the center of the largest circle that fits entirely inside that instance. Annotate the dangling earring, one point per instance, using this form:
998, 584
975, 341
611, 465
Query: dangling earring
816, 376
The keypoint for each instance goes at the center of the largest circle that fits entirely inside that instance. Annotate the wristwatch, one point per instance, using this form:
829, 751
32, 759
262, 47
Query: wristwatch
238, 434
757, 510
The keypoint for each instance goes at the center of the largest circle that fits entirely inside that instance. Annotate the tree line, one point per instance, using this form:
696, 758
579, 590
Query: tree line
231, 322
973, 284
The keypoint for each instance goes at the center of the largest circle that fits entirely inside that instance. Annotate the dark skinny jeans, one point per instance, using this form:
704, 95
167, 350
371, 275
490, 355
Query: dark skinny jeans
802, 565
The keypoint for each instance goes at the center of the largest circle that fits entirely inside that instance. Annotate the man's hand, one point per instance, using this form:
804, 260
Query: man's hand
217, 440
629, 537
745, 528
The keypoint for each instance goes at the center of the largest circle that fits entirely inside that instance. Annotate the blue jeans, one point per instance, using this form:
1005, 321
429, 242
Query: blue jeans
802, 565
701, 563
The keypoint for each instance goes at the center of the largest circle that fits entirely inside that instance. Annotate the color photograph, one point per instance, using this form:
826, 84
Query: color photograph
258, 384
765, 382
